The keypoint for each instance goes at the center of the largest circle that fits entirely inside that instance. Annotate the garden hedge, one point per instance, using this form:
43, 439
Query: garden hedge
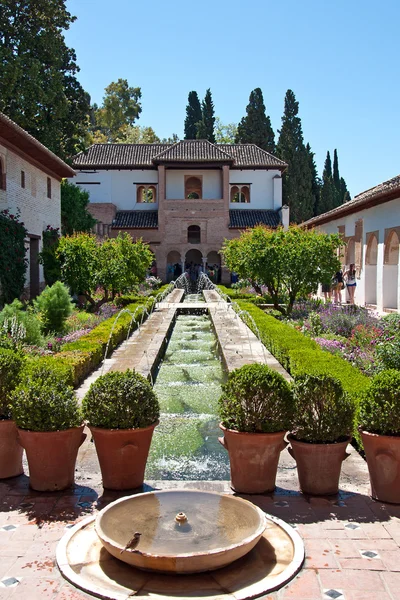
126, 299
78, 359
235, 295
300, 355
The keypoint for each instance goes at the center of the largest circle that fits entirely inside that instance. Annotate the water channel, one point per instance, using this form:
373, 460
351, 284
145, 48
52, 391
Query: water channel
188, 385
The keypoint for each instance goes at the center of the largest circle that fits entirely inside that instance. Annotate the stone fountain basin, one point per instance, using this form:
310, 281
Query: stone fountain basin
219, 530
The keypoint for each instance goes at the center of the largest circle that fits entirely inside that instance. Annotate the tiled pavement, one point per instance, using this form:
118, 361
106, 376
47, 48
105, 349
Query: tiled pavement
352, 543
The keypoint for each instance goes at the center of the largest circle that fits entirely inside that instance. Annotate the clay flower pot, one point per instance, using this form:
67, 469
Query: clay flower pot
318, 465
383, 460
10, 450
253, 459
122, 455
51, 457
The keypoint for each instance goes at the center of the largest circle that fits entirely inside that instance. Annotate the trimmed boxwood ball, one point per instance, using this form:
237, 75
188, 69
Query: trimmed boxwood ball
379, 410
11, 363
44, 402
324, 411
121, 401
256, 399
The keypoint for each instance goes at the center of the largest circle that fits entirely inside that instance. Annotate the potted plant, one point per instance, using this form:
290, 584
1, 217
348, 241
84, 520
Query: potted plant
11, 363
379, 426
50, 426
122, 411
322, 428
256, 409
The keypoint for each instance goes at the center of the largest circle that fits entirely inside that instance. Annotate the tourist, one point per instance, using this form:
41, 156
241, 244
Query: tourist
337, 286
350, 276
326, 289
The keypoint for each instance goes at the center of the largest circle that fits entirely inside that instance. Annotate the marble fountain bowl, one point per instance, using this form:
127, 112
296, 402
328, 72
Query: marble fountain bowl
181, 531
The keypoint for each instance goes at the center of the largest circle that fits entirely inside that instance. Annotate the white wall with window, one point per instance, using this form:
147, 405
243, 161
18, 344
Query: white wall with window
263, 192
179, 181
120, 187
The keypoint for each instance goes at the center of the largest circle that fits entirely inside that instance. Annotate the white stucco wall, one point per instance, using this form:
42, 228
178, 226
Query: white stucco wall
35, 208
175, 183
117, 187
384, 277
261, 188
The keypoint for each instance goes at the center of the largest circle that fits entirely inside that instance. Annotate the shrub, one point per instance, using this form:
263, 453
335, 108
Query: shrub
54, 306
10, 368
121, 401
43, 402
14, 313
324, 411
256, 399
379, 410
13, 262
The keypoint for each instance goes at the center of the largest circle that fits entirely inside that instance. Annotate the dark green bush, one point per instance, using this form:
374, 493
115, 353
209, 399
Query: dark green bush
43, 402
379, 410
324, 411
11, 363
300, 355
121, 401
256, 399
13, 262
54, 306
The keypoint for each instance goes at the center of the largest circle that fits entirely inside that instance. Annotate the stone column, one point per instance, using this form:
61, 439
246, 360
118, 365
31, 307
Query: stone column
204, 261
225, 185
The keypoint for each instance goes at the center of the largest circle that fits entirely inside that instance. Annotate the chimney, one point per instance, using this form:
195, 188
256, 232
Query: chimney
285, 216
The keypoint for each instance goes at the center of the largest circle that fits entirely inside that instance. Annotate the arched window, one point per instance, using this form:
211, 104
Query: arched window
194, 234
193, 188
240, 193
146, 194
2, 176
371, 257
392, 249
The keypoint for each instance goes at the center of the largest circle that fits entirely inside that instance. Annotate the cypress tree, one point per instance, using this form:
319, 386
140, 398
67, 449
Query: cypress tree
205, 128
297, 179
255, 127
193, 116
344, 192
328, 190
315, 180
336, 177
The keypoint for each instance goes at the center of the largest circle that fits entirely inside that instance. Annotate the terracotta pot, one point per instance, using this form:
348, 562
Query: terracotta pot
51, 457
122, 455
10, 450
253, 459
318, 465
383, 460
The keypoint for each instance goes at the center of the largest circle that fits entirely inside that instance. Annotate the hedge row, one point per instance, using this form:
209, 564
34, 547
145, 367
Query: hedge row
127, 299
299, 354
238, 295
79, 358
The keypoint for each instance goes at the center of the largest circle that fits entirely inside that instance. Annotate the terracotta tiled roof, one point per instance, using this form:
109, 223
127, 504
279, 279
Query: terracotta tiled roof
115, 156
388, 190
14, 134
250, 155
193, 151
243, 218
137, 219
118, 155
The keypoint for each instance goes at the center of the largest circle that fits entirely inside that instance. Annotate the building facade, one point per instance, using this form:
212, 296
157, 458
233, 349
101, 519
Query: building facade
370, 226
30, 178
183, 199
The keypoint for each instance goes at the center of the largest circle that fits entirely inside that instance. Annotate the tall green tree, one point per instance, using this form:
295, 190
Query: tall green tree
335, 173
75, 216
120, 109
328, 191
315, 180
297, 179
134, 134
255, 127
225, 134
193, 116
38, 84
205, 128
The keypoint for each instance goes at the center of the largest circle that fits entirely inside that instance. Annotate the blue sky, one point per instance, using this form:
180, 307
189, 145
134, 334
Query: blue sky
340, 58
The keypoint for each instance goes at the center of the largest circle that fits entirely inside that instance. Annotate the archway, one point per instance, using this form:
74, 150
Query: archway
391, 271
371, 261
350, 252
174, 265
214, 266
193, 263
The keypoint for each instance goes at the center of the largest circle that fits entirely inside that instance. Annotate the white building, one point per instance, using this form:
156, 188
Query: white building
370, 225
183, 199
30, 178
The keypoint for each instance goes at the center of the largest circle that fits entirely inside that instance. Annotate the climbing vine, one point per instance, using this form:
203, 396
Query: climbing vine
13, 263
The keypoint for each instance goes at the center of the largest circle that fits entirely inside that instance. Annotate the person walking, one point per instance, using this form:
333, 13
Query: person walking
337, 286
350, 276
